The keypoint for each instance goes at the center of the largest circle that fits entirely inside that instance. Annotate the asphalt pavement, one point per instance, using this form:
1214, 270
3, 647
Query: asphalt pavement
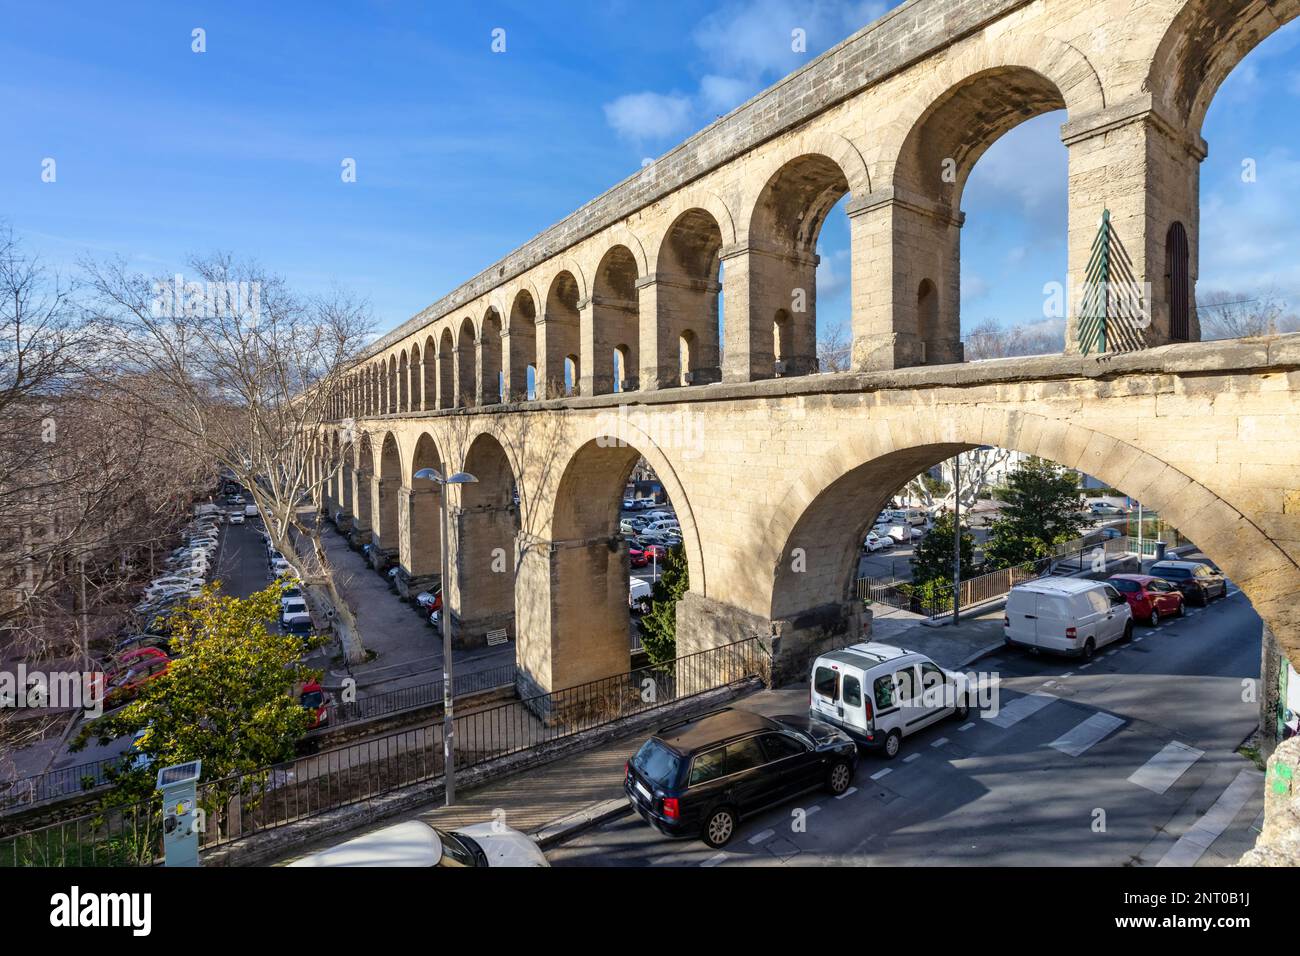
1126, 760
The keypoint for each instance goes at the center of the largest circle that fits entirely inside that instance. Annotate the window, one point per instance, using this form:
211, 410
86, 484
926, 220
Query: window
780, 746
1114, 596
1128, 587
656, 763
708, 766
744, 755
933, 681
852, 691
883, 689
905, 680
827, 682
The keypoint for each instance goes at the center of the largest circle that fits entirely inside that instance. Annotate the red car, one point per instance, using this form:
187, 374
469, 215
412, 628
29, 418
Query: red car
316, 702
637, 558
135, 669
1149, 598
656, 552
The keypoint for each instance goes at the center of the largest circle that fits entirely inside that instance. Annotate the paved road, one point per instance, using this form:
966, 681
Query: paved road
998, 792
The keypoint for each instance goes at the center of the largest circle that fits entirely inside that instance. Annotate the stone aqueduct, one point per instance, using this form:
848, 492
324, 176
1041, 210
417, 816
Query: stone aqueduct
612, 315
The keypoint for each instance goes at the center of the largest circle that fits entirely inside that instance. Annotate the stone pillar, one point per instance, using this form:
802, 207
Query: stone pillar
1146, 170
606, 324
571, 612
766, 288
906, 283
361, 497
487, 371
794, 642
420, 544
658, 356
422, 399
683, 306
481, 592
384, 509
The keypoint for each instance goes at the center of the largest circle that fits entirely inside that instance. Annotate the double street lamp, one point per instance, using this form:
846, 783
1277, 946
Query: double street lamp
444, 620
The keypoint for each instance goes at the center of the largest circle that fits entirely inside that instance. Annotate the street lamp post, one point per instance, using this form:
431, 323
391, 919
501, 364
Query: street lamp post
444, 619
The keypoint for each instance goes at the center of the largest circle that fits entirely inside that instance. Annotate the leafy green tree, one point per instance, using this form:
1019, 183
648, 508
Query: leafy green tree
227, 699
932, 559
659, 626
1040, 510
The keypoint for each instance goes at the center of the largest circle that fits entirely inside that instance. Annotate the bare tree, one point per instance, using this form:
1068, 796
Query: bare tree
1232, 315
989, 340
833, 349
979, 467
245, 371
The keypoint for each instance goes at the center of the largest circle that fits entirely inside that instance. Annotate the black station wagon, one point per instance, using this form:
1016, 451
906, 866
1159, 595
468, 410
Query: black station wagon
700, 777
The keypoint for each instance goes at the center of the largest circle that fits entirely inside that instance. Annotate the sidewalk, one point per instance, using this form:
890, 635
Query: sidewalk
953, 647
408, 651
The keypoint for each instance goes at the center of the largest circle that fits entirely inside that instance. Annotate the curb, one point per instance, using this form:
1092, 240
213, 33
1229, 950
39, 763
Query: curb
565, 828
982, 652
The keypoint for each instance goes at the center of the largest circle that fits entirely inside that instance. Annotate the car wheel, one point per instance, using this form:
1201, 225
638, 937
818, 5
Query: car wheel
1202, 597
893, 744
962, 711
839, 777
1089, 649
1181, 609
1128, 631
720, 827
1154, 619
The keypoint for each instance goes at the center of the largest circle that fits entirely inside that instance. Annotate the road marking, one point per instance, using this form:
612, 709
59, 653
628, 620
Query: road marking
940, 742
880, 773
847, 793
1020, 708
1108, 653
1191, 846
1067, 674
1139, 639
967, 726
1160, 772
1083, 735
1084, 667
714, 860
910, 757
758, 838
811, 810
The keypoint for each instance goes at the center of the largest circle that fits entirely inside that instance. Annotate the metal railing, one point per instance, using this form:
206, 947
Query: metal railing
422, 695
277, 796
71, 781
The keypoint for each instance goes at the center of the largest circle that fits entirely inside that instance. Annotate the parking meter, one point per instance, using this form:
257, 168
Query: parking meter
178, 785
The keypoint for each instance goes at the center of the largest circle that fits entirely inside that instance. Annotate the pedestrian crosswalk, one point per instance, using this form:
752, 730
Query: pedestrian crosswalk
1160, 772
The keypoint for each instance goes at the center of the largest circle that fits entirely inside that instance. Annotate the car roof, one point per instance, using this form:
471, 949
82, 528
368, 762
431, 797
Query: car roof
404, 844
1058, 585
1177, 564
1139, 578
868, 654
687, 736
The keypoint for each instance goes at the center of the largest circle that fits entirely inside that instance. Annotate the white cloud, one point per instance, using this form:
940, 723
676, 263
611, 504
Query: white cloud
721, 94
643, 116
974, 288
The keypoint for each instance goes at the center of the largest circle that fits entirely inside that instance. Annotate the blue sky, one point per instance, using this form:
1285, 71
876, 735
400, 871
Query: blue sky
462, 153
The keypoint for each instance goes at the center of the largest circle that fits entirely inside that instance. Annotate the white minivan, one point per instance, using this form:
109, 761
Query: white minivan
1071, 616
878, 694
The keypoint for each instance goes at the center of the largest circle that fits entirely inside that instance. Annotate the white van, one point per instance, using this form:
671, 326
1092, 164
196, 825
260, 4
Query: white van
640, 594
1071, 616
415, 843
659, 527
878, 694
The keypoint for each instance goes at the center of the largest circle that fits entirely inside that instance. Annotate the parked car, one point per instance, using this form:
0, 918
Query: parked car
135, 640
654, 551
414, 843
876, 542
1199, 583
429, 601
293, 611
637, 558
1104, 509
639, 595
878, 694
279, 566
315, 700
236, 499
702, 776
1071, 616
134, 669
1149, 598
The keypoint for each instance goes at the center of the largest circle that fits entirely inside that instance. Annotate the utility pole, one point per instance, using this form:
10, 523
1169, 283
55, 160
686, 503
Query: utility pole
956, 539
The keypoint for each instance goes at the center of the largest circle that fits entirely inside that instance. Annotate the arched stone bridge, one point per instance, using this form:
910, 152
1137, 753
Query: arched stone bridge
776, 482
518, 375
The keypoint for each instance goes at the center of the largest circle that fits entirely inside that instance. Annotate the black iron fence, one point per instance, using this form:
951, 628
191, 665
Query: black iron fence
514, 733
423, 695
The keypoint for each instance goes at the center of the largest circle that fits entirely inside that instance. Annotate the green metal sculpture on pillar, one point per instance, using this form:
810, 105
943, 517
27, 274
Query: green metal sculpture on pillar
1112, 314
